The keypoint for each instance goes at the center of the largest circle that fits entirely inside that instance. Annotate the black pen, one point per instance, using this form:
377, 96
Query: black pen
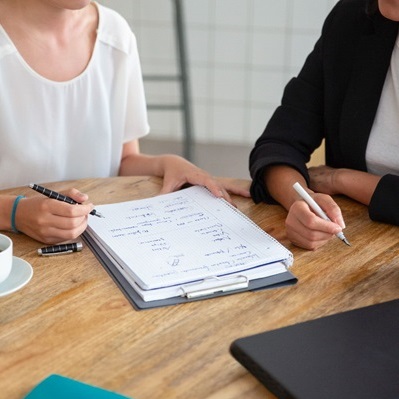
60, 249
53, 194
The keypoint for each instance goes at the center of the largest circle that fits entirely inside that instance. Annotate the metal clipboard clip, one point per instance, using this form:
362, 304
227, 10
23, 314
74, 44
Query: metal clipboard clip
213, 285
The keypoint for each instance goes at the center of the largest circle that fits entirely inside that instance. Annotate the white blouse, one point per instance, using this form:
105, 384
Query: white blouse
54, 131
382, 154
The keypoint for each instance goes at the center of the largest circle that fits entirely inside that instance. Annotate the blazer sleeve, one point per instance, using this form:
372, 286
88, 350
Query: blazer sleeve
384, 204
296, 128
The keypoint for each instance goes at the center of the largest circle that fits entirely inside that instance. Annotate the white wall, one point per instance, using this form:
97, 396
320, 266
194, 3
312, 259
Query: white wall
241, 54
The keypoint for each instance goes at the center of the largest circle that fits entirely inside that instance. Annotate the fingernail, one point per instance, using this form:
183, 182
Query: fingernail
341, 222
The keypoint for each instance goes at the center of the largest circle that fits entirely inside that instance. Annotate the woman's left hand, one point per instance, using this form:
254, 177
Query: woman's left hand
322, 179
178, 172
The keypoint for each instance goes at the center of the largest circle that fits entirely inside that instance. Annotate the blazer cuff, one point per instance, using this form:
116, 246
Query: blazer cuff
384, 204
258, 189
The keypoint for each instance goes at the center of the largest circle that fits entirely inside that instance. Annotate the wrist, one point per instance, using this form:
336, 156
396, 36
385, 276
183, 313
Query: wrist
161, 164
170, 162
13, 222
337, 180
6, 208
341, 179
356, 184
279, 181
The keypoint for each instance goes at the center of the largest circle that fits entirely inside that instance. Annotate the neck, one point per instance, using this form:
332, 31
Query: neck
57, 42
44, 16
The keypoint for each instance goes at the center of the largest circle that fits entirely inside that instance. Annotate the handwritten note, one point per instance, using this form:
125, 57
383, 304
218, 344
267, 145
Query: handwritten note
182, 237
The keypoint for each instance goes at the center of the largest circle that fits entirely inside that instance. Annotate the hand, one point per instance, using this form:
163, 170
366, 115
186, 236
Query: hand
236, 186
178, 171
307, 230
355, 184
322, 179
51, 221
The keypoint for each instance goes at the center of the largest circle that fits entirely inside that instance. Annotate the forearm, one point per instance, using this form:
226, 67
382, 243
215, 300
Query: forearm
355, 184
279, 180
144, 165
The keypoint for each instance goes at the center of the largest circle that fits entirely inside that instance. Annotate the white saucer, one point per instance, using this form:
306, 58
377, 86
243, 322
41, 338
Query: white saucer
21, 273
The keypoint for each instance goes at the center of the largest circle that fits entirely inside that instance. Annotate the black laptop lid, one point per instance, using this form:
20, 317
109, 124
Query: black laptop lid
350, 355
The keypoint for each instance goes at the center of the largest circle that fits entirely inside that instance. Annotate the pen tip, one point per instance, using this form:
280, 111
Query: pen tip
346, 242
96, 213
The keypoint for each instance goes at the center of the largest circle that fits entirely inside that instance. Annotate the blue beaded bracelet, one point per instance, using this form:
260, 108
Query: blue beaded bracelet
14, 209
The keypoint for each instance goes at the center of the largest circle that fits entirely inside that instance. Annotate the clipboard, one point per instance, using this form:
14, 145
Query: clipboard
278, 280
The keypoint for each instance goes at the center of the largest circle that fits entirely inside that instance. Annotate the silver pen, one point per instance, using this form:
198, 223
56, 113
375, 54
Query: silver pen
60, 249
313, 204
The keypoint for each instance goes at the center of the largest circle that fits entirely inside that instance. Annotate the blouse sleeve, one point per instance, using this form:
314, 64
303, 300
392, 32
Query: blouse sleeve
136, 107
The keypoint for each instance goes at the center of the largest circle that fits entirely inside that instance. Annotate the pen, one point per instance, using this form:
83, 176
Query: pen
60, 249
52, 194
313, 204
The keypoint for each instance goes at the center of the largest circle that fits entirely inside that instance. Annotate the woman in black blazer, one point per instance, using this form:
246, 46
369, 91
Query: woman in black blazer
335, 97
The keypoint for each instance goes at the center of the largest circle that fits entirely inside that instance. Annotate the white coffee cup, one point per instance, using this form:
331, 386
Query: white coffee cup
5, 257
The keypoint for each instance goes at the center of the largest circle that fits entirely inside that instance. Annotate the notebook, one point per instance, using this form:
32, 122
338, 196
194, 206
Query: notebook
59, 387
350, 355
187, 244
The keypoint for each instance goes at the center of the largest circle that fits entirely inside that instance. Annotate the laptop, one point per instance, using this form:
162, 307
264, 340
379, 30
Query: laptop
349, 355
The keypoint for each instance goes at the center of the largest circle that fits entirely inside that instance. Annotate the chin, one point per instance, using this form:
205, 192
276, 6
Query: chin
389, 9
71, 4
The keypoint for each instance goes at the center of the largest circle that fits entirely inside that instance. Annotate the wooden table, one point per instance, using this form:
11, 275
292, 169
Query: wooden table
72, 319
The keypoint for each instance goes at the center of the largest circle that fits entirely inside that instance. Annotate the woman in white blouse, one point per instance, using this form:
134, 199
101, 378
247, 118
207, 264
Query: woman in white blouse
72, 106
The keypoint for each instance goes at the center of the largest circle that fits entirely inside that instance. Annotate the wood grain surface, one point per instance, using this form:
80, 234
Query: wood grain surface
72, 319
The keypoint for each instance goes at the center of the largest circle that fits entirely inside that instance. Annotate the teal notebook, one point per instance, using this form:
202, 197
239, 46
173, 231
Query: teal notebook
59, 387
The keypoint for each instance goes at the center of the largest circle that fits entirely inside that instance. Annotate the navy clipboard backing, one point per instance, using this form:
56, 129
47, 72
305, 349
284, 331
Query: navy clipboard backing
279, 280
350, 355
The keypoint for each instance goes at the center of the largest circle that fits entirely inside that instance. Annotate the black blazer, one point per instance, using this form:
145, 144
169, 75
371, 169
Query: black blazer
335, 97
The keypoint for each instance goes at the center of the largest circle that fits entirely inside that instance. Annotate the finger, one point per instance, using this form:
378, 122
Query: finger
300, 240
55, 229
76, 195
303, 220
63, 209
170, 185
55, 236
331, 208
225, 195
236, 186
304, 237
61, 222
241, 191
198, 178
237, 190
219, 191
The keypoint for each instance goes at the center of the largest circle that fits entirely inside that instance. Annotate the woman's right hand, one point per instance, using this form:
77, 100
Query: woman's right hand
303, 227
307, 230
51, 221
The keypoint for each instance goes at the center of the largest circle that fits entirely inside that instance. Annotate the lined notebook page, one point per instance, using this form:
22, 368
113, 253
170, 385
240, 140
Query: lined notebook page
182, 237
